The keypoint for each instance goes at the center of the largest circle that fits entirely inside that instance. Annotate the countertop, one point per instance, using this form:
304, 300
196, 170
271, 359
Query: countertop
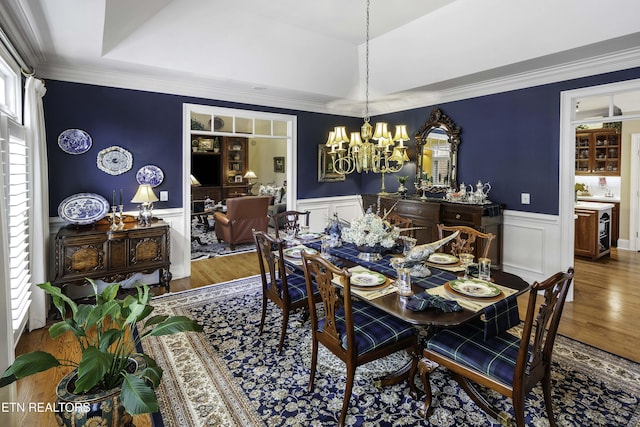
593, 205
599, 199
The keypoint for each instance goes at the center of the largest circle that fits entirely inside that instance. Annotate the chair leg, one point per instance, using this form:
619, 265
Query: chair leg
415, 357
518, 408
351, 373
546, 389
479, 400
314, 360
425, 367
264, 312
285, 322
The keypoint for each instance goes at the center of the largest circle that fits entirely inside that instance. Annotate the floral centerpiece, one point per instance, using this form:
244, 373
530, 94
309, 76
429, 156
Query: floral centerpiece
371, 234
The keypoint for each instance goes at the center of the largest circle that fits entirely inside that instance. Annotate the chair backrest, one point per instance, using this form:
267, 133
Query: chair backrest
401, 222
466, 240
534, 355
320, 270
248, 207
272, 266
290, 220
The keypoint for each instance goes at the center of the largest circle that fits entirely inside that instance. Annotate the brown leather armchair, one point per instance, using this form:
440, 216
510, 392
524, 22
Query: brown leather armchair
243, 215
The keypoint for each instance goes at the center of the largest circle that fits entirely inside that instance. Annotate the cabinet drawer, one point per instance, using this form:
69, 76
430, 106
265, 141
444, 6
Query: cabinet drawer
469, 215
429, 212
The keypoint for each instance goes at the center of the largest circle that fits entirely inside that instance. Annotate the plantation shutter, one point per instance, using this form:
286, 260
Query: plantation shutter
15, 158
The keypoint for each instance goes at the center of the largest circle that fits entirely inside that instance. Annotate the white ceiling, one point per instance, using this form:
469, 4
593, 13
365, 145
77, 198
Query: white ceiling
310, 54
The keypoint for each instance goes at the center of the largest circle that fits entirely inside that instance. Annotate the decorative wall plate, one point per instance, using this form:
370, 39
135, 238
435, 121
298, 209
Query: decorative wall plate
83, 208
151, 175
114, 160
74, 141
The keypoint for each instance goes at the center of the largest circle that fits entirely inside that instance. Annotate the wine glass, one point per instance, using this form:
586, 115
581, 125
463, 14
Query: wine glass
465, 261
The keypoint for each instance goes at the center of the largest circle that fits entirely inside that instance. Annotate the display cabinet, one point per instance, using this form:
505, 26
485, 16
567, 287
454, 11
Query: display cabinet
598, 152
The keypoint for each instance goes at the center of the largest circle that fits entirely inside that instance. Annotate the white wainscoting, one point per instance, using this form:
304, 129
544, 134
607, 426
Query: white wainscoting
323, 209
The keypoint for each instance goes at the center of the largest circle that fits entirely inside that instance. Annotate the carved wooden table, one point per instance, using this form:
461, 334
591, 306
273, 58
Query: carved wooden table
97, 252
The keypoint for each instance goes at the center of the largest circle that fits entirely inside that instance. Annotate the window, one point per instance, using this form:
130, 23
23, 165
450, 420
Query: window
15, 157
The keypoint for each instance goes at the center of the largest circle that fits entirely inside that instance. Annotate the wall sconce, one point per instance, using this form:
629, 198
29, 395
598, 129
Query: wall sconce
145, 196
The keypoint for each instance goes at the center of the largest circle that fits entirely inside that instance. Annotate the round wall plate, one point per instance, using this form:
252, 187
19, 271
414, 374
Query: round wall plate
150, 174
74, 141
114, 160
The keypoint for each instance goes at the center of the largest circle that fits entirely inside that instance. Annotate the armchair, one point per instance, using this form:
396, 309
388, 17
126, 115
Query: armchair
243, 215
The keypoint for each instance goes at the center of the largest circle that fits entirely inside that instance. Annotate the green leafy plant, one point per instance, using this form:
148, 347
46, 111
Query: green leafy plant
402, 179
104, 332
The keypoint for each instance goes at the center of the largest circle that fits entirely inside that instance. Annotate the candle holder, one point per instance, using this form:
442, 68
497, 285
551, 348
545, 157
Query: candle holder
121, 223
114, 218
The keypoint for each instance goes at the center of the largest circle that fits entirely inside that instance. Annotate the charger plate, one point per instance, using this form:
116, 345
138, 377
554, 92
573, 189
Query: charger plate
473, 288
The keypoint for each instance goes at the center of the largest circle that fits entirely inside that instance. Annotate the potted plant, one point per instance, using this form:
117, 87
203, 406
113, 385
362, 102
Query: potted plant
110, 366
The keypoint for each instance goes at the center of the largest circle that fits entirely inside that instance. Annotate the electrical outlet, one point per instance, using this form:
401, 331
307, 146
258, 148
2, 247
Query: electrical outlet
525, 198
164, 196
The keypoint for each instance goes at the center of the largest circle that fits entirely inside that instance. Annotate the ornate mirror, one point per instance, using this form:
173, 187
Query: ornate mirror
437, 144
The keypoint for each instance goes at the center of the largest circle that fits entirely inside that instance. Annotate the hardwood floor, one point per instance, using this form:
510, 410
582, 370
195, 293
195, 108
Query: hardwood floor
602, 314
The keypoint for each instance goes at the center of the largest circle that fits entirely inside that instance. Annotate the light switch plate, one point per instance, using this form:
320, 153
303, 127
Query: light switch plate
164, 196
525, 198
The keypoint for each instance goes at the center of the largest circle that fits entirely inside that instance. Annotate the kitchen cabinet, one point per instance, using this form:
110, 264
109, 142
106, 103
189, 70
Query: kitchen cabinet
427, 214
598, 152
592, 229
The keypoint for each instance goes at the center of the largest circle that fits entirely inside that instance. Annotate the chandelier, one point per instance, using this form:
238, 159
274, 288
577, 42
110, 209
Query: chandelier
357, 153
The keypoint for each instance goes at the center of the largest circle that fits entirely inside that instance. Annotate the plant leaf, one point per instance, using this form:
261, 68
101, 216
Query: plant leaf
108, 338
92, 368
109, 293
59, 299
137, 396
60, 328
175, 324
28, 364
153, 374
155, 320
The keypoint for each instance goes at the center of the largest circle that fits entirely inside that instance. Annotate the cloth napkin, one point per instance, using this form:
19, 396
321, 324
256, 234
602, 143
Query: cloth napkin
423, 301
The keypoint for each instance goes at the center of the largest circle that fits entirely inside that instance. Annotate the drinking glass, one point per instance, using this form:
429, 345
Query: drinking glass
403, 283
325, 244
484, 268
465, 261
409, 243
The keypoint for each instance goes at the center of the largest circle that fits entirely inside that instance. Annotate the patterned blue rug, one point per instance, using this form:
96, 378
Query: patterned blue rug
204, 244
231, 376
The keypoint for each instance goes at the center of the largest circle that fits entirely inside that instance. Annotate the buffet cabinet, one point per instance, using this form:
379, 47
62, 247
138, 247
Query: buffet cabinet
97, 252
598, 152
427, 214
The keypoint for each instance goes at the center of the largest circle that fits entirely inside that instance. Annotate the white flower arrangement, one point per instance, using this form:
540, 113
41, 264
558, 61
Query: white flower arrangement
371, 230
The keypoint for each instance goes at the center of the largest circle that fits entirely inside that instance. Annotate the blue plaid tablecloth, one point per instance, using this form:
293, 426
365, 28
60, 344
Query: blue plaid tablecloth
349, 252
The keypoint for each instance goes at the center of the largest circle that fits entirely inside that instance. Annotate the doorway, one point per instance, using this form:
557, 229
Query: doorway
204, 120
568, 123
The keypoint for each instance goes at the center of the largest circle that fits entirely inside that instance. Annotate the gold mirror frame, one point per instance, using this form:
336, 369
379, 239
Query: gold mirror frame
438, 120
326, 173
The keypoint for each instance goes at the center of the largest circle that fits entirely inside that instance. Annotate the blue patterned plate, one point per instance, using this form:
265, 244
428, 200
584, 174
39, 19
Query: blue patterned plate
83, 208
151, 175
74, 141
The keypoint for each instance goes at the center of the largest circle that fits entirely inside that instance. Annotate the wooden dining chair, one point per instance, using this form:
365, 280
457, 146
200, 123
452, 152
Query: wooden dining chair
402, 223
289, 220
508, 364
466, 240
353, 330
286, 289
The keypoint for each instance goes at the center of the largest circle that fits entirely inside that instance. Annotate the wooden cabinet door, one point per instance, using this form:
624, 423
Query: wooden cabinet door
586, 231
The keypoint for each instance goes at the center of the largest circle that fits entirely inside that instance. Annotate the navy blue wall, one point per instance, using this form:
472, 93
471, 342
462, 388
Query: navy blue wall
510, 139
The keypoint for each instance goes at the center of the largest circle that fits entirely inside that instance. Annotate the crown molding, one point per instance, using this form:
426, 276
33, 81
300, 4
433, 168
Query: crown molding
202, 88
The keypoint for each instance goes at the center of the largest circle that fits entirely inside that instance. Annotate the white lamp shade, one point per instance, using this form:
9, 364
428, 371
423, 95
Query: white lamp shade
194, 181
144, 194
355, 139
331, 138
341, 134
250, 175
401, 133
381, 130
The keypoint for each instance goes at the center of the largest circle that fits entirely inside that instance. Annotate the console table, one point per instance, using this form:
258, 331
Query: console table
427, 214
97, 252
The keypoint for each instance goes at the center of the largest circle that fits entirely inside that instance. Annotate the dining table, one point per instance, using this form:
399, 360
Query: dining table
387, 299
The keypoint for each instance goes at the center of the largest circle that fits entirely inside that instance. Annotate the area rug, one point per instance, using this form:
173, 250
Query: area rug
229, 375
204, 244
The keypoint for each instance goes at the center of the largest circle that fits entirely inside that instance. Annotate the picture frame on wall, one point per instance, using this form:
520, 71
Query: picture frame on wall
238, 178
326, 173
278, 164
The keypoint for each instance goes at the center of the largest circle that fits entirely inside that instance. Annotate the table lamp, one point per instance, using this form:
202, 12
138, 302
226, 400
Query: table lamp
145, 196
249, 176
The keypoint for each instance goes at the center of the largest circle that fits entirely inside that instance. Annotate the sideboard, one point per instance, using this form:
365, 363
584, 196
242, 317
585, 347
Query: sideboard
427, 214
97, 252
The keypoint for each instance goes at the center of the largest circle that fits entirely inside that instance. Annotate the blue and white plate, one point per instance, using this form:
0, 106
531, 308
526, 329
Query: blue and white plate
83, 208
74, 141
151, 175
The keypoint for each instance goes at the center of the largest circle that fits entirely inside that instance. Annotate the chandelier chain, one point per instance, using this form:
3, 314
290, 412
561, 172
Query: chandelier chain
366, 102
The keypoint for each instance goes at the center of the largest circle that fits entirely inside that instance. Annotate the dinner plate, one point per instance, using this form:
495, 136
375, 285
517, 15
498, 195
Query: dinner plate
74, 141
439, 258
474, 288
150, 174
309, 236
83, 208
364, 279
297, 252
